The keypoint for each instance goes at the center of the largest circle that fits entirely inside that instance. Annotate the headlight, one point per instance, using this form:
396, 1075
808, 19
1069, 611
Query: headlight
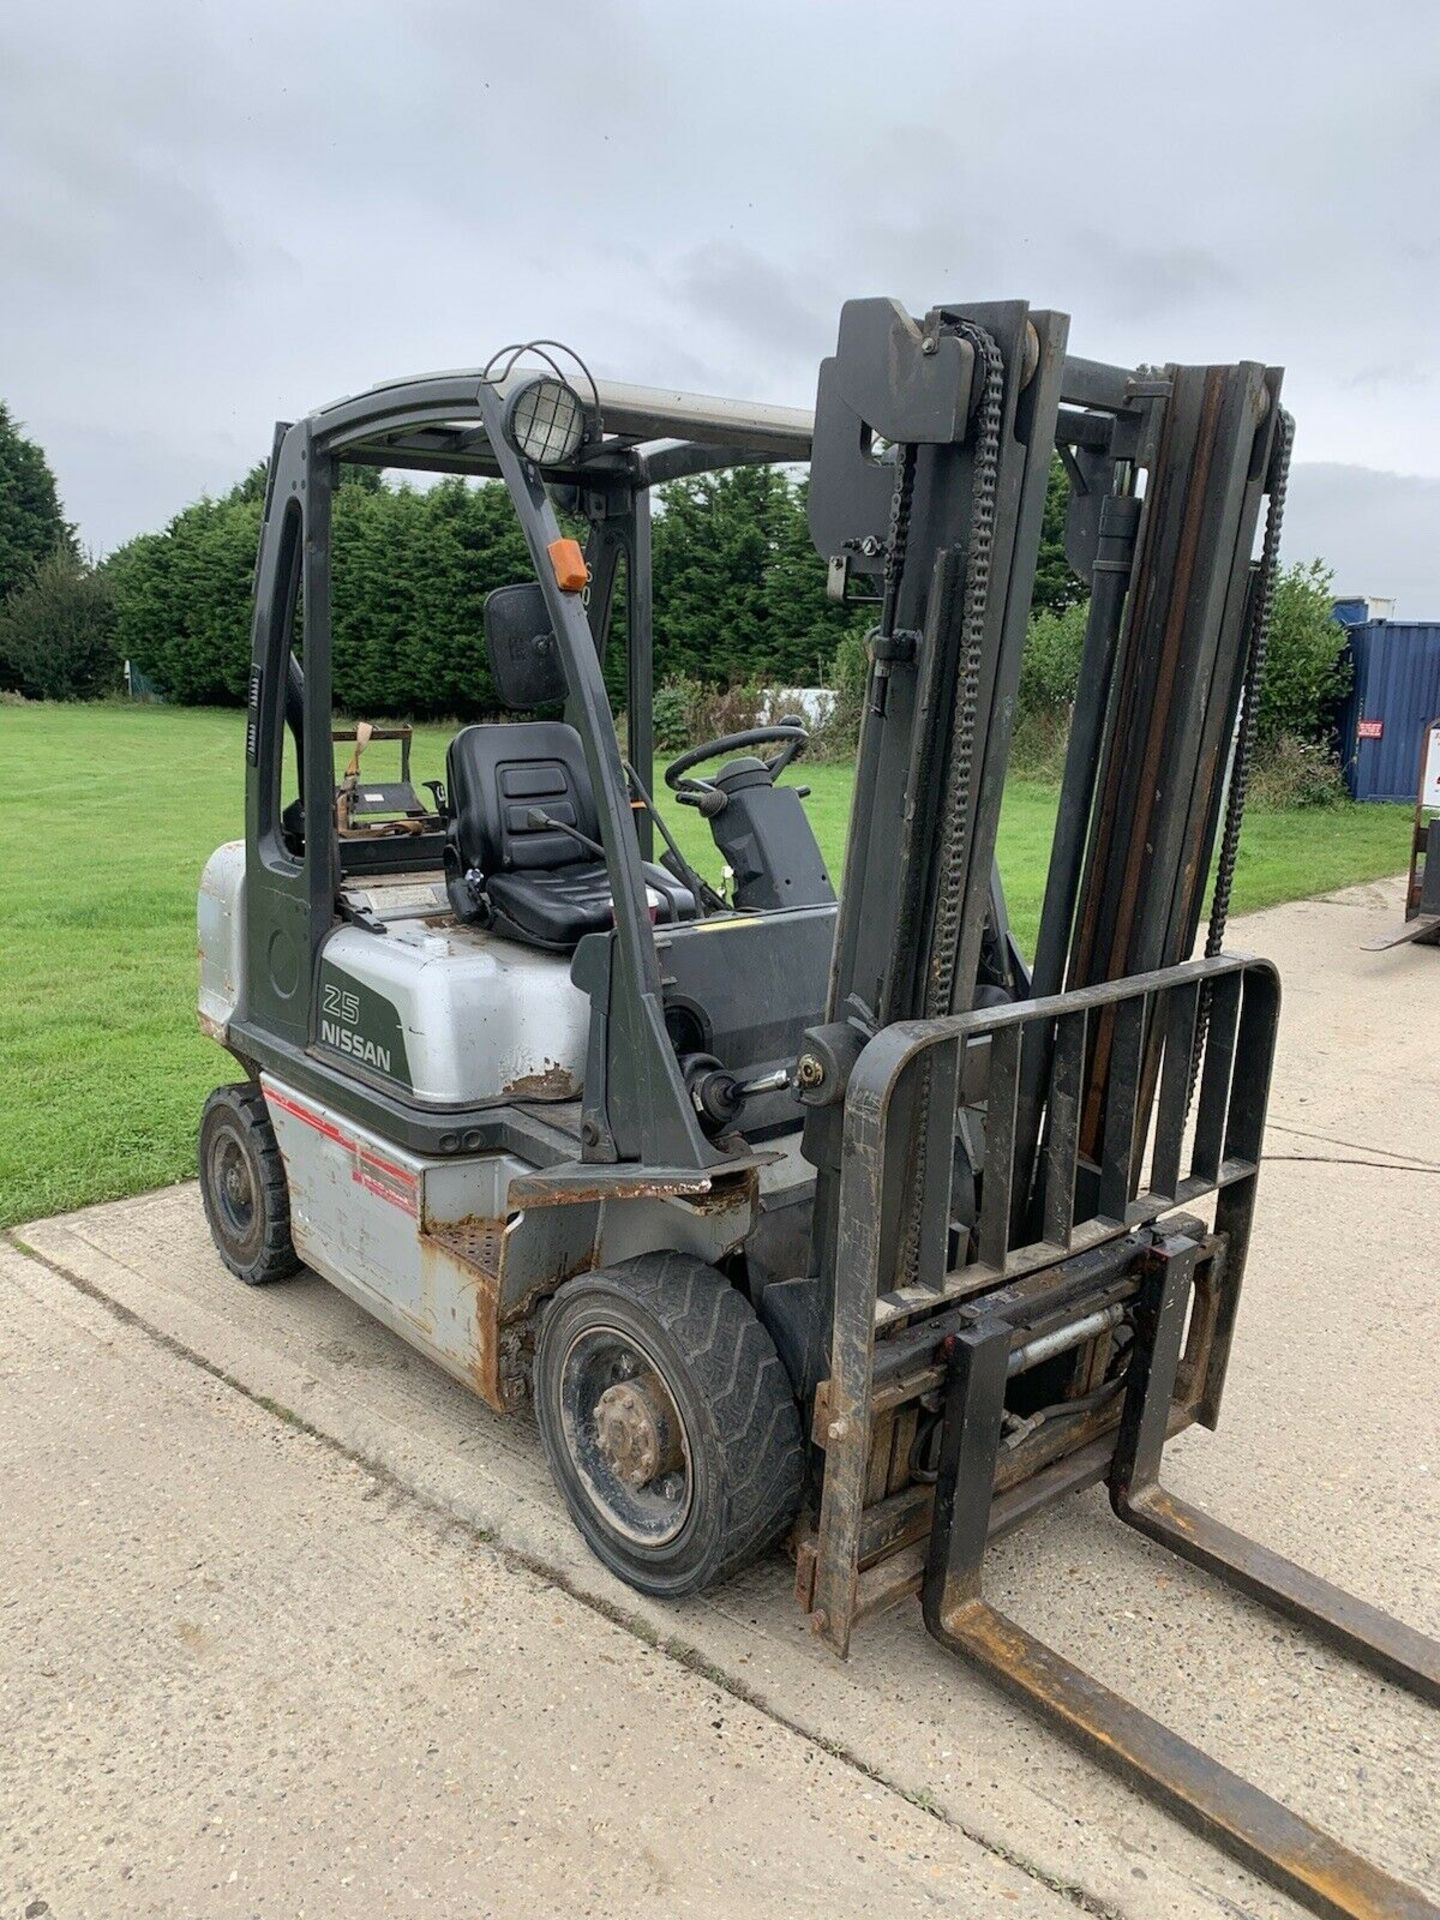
545, 420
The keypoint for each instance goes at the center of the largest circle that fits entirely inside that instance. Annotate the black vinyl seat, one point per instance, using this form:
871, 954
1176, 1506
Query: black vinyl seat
532, 883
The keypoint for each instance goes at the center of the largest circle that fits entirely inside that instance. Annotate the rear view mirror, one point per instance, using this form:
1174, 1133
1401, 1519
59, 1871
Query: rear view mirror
524, 657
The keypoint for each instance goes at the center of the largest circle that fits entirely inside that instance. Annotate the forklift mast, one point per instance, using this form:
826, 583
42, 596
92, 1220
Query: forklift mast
980, 1132
949, 522
971, 402
1015, 1301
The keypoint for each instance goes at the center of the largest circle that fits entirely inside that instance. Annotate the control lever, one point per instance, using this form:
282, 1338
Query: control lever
717, 1095
775, 1082
706, 800
537, 817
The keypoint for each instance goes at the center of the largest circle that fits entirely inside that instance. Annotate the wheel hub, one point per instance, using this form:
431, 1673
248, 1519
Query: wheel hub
625, 1433
233, 1187
636, 1432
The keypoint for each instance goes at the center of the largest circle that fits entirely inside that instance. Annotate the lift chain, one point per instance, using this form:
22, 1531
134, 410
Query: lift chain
955, 816
1252, 688
955, 820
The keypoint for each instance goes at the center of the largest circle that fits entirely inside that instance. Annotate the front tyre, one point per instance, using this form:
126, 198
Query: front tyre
242, 1183
668, 1422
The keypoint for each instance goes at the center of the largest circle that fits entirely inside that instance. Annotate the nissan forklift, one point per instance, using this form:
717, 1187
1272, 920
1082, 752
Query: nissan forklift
837, 1222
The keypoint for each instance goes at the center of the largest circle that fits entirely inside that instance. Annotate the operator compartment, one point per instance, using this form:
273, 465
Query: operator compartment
450, 1015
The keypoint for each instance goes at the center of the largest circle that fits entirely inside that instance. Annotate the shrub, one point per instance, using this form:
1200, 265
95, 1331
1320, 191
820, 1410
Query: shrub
1038, 743
1307, 667
1050, 664
725, 710
182, 601
411, 572
686, 712
839, 737
676, 701
57, 633
1290, 772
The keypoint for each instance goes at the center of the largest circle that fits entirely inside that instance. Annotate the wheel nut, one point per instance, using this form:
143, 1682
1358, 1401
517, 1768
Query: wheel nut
633, 1432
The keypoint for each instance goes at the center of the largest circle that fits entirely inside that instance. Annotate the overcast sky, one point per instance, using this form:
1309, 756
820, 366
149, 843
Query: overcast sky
212, 216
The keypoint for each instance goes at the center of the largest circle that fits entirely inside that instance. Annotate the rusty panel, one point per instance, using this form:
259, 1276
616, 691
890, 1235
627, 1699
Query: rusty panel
551, 1081
460, 1280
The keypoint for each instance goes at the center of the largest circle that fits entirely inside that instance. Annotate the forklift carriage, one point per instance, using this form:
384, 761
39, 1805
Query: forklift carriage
829, 1221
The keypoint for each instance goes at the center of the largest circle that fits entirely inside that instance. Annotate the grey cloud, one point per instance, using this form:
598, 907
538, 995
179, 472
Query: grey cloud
1380, 532
214, 216
752, 295
1152, 280
152, 476
1394, 373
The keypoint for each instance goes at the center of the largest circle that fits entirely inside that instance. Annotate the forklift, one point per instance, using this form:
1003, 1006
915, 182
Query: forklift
833, 1221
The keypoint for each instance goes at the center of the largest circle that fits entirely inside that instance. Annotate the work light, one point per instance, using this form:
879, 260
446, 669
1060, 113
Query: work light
545, 420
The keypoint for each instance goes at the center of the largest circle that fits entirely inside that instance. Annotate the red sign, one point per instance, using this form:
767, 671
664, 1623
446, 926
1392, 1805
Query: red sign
1370, 730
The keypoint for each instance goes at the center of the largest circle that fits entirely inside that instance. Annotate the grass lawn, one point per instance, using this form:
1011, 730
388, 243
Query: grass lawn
109, 813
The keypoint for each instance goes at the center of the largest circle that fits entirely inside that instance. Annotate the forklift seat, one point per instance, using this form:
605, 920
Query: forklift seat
533, 883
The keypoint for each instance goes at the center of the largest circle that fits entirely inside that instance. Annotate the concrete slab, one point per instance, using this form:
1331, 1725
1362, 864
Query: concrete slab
243, 1676
1330, 1450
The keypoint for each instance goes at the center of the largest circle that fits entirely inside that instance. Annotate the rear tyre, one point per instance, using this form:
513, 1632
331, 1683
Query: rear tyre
242, 1183
668, 1422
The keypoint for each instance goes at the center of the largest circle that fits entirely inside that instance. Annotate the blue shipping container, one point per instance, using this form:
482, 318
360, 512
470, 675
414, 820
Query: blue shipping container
1394, 696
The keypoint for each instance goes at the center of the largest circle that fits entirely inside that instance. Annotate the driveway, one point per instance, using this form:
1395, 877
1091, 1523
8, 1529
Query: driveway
293, 1623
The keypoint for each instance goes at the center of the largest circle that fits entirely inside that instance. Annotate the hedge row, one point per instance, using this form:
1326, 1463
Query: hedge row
739, 591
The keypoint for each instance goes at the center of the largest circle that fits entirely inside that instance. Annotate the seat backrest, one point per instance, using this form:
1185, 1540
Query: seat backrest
494, 776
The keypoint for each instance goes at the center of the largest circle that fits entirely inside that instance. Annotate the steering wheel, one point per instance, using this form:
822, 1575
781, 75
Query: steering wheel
789, 734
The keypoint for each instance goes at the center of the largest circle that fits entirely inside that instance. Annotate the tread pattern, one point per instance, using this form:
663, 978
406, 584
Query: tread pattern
277, 1259
745, 1387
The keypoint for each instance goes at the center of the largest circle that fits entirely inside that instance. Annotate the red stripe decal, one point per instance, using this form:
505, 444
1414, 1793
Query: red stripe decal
310, 1119
364, 1157
386, 1193
372, 1159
